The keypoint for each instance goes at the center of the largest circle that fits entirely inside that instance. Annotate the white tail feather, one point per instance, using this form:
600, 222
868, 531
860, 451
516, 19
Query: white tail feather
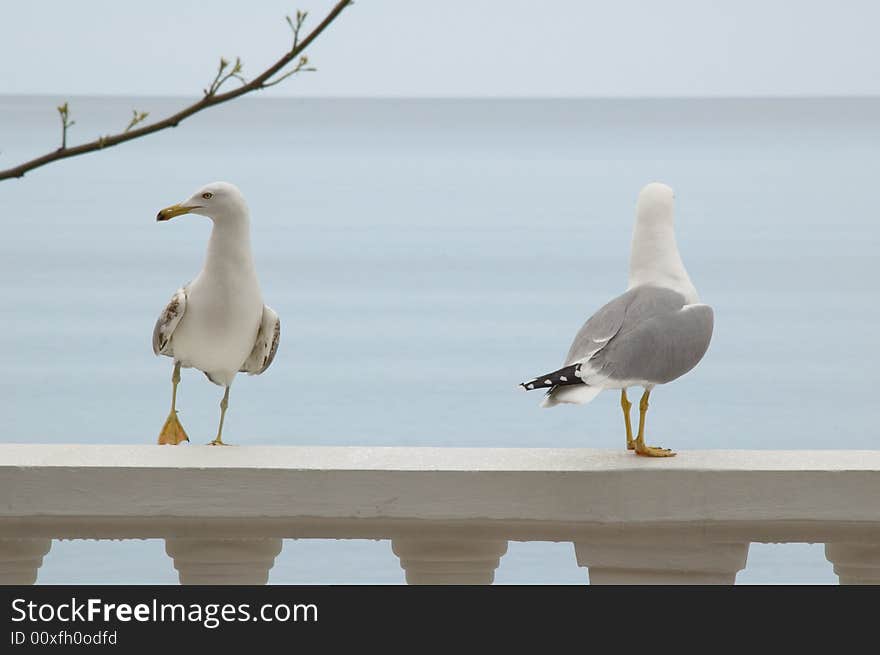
576, 394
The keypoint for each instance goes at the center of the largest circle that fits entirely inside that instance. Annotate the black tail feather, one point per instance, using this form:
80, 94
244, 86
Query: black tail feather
562, 377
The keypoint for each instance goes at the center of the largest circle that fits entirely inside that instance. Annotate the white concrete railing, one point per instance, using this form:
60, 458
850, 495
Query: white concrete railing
449, 512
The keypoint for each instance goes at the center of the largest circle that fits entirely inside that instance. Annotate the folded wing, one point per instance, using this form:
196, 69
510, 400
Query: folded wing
167, 322
647, 334
657, 350
266, 345
599, 329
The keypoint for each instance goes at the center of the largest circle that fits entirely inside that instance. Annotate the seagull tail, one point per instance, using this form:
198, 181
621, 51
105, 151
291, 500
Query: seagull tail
561, 378
563, 386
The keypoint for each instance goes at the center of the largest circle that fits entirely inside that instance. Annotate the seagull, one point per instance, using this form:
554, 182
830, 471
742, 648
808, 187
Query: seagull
217, 323
652, 334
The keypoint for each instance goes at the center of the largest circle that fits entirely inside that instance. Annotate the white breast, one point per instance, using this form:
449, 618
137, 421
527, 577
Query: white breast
219, 328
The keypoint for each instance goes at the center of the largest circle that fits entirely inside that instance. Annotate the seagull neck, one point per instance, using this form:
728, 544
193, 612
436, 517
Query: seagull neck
229, 247
655, 260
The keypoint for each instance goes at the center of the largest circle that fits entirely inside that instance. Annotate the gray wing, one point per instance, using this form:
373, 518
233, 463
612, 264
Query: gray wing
599, 329
266, 345
657, 349
619, 316
167, 322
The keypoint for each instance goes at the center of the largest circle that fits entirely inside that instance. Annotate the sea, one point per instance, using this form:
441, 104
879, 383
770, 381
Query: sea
425, 256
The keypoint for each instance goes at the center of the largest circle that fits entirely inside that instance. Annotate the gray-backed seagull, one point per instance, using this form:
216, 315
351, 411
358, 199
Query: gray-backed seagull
652, 334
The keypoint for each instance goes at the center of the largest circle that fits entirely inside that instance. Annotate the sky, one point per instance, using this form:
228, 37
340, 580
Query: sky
452, 48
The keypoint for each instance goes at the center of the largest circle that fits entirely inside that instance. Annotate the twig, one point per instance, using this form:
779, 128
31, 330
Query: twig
212, 96
220, 79
296, 27
301, 67
137, 117
64, 113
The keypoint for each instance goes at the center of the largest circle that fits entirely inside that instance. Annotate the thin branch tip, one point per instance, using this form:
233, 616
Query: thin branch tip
137, 117
212, 95
66, 123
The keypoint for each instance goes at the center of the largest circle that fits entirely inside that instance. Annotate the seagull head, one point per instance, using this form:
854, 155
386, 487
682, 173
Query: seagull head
655, 203
219, 201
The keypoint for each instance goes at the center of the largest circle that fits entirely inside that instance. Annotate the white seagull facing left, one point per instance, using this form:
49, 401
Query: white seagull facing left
652, 334
217, 323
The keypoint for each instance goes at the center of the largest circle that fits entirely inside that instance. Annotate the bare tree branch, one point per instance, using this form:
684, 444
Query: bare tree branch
212, 96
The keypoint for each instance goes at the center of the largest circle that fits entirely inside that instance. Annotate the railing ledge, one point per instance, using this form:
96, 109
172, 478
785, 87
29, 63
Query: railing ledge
449, 512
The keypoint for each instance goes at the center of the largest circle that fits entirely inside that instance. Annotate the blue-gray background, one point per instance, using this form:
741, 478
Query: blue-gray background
425, 256
473, 48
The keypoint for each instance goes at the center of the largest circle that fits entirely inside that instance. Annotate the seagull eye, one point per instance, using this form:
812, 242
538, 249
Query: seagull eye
207, 195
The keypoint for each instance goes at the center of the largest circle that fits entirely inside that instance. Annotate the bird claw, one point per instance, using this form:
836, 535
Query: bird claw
653, 451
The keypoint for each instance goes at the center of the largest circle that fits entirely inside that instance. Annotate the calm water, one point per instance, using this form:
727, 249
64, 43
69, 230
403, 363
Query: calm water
425, 256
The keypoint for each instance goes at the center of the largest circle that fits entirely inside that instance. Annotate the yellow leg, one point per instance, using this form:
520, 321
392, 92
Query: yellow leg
172, 432
640, 447
625, 405
223, 405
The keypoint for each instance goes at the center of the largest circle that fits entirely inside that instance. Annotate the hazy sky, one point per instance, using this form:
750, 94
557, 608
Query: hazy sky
452, 47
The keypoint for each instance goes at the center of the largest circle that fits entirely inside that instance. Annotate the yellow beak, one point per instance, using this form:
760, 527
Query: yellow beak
172, 211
